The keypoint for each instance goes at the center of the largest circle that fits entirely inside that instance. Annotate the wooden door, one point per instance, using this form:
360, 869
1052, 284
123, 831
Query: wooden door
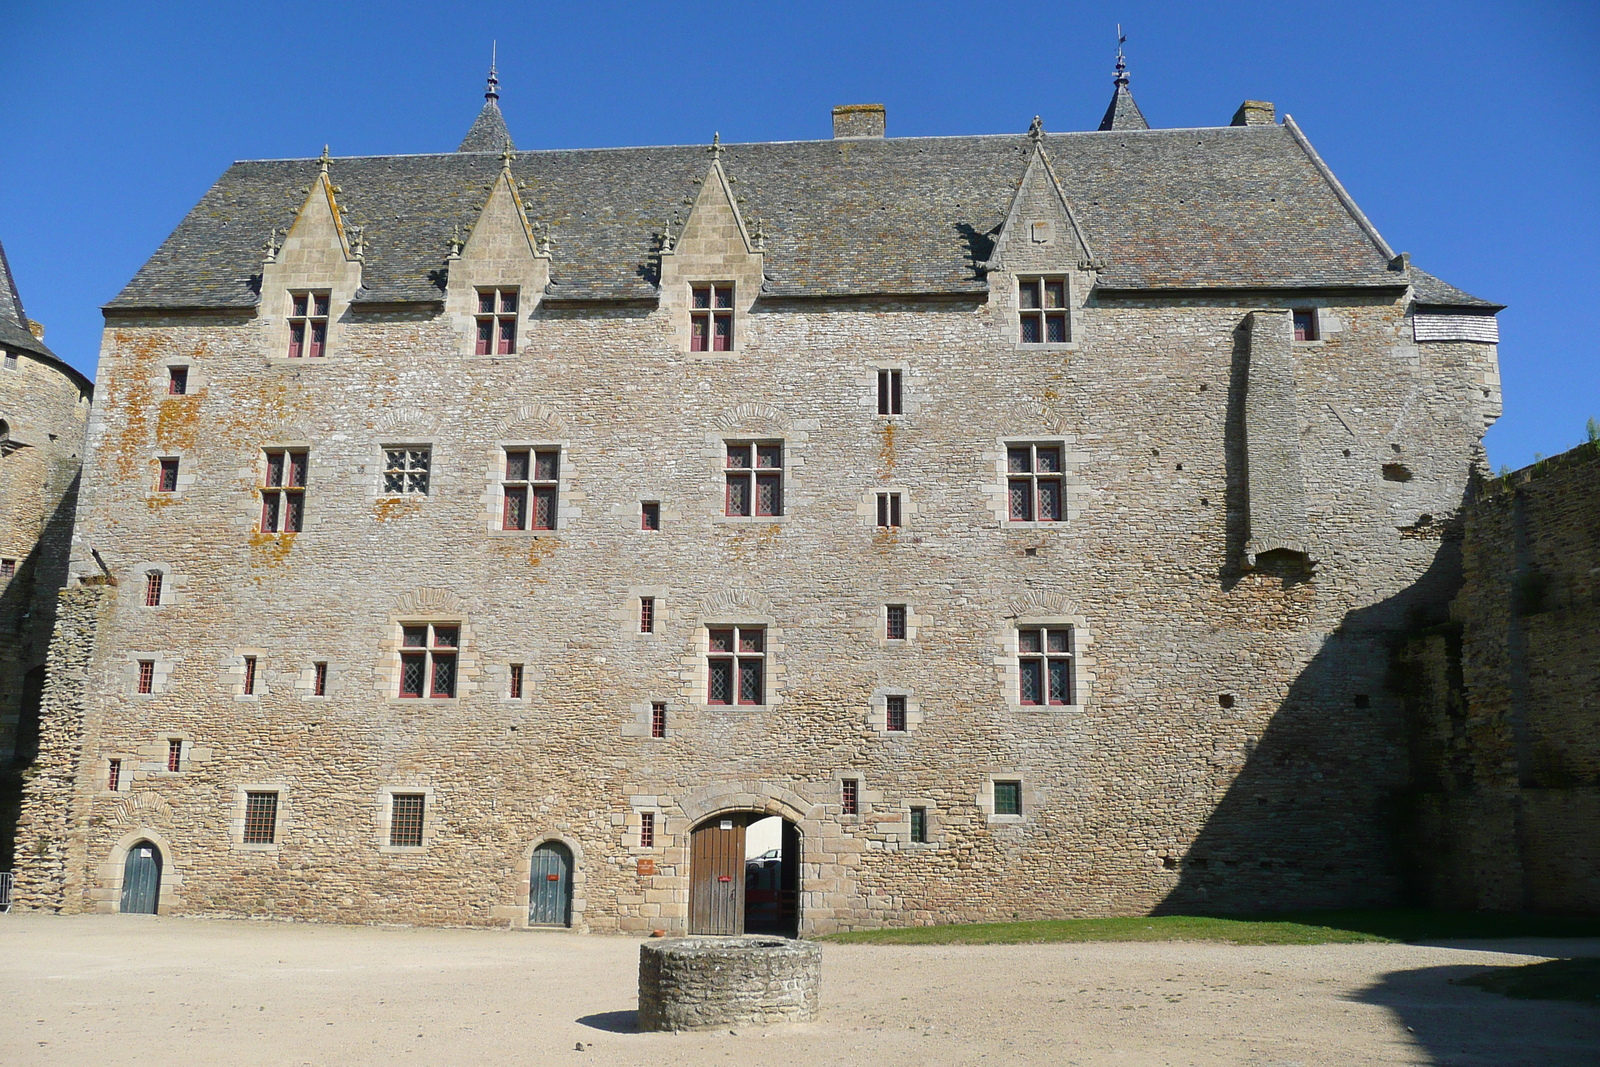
141, 880
716, 877
550, 886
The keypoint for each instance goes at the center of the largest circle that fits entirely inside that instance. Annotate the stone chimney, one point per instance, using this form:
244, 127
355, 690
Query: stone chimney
858, 120
1255, 113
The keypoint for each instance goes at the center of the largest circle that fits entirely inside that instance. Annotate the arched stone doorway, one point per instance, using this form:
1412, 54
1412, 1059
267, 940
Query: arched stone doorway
141, 880
744, 875
550, 885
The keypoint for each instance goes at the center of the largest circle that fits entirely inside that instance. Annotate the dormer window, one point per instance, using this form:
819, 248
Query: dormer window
497, 322
308, 324
711, 318
1043, 304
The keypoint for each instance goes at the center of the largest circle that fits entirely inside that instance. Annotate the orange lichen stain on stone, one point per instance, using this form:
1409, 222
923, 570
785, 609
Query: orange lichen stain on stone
136, 355
389, 508
157, 501
886, 449
178, 421
271, 550
886, 536
541, 549
261, 412
744, 540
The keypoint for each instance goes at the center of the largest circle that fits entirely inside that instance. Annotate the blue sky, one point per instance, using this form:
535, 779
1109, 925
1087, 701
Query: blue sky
1468, 131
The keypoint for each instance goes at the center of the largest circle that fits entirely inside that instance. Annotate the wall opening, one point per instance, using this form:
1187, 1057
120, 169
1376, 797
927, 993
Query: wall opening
744, 875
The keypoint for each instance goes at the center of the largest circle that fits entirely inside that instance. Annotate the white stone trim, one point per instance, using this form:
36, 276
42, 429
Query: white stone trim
430, 817
236, 820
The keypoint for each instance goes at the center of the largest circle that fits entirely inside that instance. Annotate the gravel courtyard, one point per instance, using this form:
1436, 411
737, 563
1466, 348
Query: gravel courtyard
136, 990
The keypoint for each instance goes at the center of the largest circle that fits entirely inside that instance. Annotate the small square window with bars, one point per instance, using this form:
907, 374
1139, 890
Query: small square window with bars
1043, 303
308, 324
147, 676
260, 818
174, 754
850, 796
1008, 798
895, 714
754, 476
711, 318
114, 775
428, 654
647, 829
496, 322
406, 470
406, 813
658, 720
894, 626
530, 489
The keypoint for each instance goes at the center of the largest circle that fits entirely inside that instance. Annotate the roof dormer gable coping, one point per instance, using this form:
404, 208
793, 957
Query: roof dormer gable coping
491, 222
1039, 171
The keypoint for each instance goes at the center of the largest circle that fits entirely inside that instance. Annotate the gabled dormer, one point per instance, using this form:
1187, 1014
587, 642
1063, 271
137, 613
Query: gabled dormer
309, 279
712, 273
1042, 266
497, 275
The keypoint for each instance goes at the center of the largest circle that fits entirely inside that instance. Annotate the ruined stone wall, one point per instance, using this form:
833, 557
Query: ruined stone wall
1506, 701
1231, 746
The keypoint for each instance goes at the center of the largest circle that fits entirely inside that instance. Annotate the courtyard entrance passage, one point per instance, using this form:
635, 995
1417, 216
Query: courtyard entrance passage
550, 886
744, 875
141, 880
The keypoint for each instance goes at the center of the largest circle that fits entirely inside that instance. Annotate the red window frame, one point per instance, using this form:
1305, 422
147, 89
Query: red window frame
754, 473
147, 676
1305, 324
1042, 307
167, 479
496, 322
850, 796
894, 714
319, 679
658, 720
174, 753
1035, 482
889, 395
647, 614
308, 323
514, 687
1044, 666
647, 829
407, 816
711, 317
114, 775
736, 665
249, 676
283, 490
530, 490
177, 381
152, 589
429, 658
261, 818
894, 622
650, 515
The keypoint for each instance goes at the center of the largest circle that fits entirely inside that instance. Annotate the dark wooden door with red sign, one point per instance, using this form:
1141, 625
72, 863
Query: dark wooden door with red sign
716, 877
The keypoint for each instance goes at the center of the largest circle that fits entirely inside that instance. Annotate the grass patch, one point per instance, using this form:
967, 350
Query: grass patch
1577, 980
1283, 928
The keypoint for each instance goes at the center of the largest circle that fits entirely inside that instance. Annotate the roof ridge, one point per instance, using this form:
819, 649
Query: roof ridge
1338, 188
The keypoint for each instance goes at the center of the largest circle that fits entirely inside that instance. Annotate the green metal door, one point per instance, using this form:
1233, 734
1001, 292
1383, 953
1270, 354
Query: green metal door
550, 886
141, 880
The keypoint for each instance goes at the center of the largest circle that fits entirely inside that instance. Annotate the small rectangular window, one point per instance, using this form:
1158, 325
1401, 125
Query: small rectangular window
174, 753
11, 361
283, 491
167, 480
888, 509
260, 818
650, 515
1008, 798
114, 775
895, 622
152, 589
319, 679
736, 666
497, 322
147, 675
515, 687
711, 318
919, 826
895, 714
889, 392
249, 675
406, 470
647, 614
754, 478
1034, 485
405, 820
647, 829
177, 381
1305, 324
850, 796
428, 660
1043, 310
8, 568
308, 324
658, 720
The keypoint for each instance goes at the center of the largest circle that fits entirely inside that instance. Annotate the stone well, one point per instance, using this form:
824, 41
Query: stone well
696, 983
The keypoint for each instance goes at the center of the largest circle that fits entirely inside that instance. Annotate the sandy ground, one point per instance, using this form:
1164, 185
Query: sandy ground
129, 990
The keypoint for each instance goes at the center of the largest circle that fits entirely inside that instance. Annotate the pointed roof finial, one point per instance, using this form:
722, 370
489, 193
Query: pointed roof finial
323, 160
716, 146
492, 92
1036, 130
1121, 79
1123, 114
506, 155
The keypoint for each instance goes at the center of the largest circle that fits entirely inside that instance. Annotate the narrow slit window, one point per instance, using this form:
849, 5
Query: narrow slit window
497, 322
177, 381
647, 614
167, 480
895, 714
515, 686
308, 324
174, 754
152, 589
711, 318
1044, 665
850, 796
405, 820
428, 660
147, 676
283, 491
1043, 310
319, 679
647, 829
889, 392
658, 720
260, 818
249, 675
919, 826
736, 665
895, 622
888, 509
754, 479
1034, 483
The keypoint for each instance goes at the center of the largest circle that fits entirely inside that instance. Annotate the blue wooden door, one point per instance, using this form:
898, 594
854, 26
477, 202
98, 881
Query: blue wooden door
550, 886
141, 880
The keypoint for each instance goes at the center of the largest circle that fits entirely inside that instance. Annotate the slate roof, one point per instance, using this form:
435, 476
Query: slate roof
14, 332
488, 132
1223, 207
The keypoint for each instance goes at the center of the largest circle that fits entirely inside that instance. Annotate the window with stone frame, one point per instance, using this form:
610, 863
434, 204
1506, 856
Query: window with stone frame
308, 323
1042, 306
496, 322
658, 720
319, 679
8, 568
711, 317
850, 796
113, 775
1305, 324
146, 682
177, 381
1008, 798
889, 393
647, 829
919, 826
283, 491
406, 814
754, 479
530, 489
428, 660
894, 714
167, 476
888, 509
1035, 490
736, 665
261, 818
894, 622
152, 589
1044, 665
406, 470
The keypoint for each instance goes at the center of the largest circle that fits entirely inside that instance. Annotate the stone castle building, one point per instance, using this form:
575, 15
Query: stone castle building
44, 412
1022, 521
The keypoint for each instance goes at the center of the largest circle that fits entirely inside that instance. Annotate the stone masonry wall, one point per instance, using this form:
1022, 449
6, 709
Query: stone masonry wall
1506, 701
1231, 742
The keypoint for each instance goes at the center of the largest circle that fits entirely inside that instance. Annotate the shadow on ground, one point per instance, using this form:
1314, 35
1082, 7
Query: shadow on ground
613, 1022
